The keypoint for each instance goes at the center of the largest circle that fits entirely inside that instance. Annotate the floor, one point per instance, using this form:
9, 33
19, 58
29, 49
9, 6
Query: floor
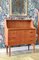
20, 53
19, 49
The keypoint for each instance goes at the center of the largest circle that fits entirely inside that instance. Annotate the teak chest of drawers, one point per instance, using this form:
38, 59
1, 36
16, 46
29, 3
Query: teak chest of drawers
18, 32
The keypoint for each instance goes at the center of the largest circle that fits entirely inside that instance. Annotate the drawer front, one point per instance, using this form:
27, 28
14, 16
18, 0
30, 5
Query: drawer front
33, 37
30, 41
30, 38
12, 42
21, 33
12, 33
30, 32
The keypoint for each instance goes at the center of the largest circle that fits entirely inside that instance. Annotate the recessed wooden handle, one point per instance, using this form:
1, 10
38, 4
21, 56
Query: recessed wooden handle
31, 32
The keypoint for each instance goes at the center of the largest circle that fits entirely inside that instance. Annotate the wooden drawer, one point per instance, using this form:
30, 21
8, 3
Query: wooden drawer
12, 33
30, 32
30, 41
30, 38
11, 38
12, 42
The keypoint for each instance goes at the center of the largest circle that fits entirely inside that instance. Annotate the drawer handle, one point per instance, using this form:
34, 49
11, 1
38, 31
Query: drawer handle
31, 32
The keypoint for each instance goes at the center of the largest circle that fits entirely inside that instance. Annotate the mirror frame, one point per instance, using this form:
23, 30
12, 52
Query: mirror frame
10, 9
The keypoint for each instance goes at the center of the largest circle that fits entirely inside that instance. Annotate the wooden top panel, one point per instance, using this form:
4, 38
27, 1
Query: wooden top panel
19, 24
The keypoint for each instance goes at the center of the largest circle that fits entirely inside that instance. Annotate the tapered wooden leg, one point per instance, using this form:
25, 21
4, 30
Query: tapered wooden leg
9, 51
28, 46
33, 47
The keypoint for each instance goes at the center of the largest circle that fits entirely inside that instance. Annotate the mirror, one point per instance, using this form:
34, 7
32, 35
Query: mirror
18, 7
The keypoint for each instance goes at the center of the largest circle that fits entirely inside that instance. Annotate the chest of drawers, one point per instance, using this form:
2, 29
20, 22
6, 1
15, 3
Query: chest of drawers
19, 32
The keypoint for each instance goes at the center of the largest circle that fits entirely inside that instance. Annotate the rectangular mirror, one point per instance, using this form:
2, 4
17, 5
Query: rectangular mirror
18, 7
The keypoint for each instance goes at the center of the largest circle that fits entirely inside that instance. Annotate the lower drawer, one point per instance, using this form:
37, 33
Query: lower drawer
12, 42
30, 38
30, 41
15, 42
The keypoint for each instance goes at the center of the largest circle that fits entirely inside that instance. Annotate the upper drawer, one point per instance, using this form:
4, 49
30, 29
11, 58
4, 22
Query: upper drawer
30, 32
12, 33
16, 33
